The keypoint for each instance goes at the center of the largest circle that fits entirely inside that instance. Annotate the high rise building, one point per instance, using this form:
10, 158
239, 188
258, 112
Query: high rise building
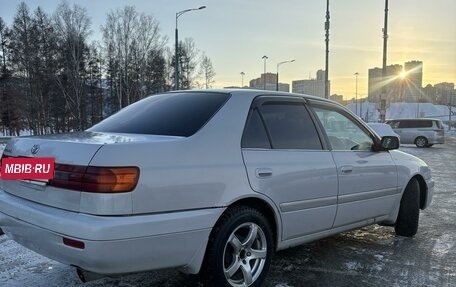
445, 93
392, 83
271, 82
413, 81
313, 87
406, 88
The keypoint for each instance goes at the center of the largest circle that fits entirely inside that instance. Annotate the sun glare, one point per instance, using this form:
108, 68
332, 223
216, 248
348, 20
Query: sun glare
403, 74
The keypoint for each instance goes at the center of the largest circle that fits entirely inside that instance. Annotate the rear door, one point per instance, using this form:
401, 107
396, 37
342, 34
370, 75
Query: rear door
367, 179
286, 161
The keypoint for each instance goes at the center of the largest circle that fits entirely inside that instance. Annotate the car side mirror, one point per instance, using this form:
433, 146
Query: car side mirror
389, 142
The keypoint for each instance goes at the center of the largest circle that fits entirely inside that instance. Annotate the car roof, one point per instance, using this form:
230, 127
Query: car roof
415, 119
238, 92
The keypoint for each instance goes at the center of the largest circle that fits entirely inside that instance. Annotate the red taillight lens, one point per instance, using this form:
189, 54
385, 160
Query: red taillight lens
68, 176
95, 179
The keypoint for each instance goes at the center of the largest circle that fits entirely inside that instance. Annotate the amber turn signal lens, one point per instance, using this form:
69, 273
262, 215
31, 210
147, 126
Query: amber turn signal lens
110, 179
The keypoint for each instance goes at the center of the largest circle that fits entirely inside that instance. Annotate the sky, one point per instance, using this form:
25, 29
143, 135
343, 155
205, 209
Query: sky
236, 34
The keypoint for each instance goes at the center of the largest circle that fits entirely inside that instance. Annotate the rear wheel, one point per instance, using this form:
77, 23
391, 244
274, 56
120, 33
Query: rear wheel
421, 142
409, 211
239, 249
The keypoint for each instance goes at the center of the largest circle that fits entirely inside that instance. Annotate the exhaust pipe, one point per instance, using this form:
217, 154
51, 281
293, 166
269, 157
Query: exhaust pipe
87, 276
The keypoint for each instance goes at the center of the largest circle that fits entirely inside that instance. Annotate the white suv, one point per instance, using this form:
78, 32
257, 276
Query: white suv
210, 182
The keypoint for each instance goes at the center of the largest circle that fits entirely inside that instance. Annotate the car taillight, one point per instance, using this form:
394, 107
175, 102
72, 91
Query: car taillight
94, 178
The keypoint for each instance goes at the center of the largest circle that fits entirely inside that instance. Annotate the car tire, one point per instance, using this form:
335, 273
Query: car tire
421, 142
409, 210
239, 249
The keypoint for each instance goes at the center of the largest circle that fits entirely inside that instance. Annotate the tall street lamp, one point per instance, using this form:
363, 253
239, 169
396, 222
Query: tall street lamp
327, 51
176, 66
242, 79
278, 65
264, 74
356, 93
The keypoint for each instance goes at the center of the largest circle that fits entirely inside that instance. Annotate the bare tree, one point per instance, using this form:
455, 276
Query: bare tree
73, 27
5, 109
22, 62
207, 71
131, 42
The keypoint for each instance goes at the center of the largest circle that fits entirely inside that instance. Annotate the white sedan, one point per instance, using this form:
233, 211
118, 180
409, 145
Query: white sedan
210, 182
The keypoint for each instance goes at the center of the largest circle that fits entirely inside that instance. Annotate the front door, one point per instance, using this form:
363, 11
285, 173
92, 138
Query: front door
367, 179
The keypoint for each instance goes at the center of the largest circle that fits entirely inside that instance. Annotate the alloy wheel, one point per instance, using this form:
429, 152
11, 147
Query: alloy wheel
244, 255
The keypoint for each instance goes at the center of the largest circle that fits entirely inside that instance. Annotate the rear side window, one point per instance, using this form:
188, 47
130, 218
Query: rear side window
280, 125
415, 124
176, 114
290, 126
439, 124
255, 135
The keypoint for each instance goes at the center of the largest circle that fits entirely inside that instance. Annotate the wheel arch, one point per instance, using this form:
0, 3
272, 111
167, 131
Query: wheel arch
423, 189
267, 210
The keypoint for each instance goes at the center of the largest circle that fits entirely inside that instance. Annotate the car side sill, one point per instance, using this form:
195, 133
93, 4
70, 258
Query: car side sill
322, 234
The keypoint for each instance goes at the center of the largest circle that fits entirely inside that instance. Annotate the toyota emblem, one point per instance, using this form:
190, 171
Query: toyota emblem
35, 149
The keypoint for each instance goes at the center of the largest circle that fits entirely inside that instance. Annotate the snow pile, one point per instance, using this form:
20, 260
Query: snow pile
369, 111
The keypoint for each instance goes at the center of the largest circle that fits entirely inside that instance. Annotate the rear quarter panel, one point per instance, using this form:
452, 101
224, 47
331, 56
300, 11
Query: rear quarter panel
202, 171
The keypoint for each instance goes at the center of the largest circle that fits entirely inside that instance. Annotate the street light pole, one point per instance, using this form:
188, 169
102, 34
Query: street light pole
327, 51
176, 56
356, 93
278, 65
385, 45
264, 74
242, 79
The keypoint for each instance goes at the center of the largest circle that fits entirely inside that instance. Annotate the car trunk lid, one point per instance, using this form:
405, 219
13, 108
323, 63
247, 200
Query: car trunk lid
76, 149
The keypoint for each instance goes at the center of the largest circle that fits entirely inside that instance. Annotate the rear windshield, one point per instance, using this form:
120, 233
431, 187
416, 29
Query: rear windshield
175, 114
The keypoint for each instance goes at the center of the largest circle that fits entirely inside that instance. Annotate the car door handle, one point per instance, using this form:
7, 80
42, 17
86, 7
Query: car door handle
263, 172
346, 169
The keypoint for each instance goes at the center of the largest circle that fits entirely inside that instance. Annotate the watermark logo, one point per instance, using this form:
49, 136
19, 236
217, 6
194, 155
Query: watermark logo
27, 168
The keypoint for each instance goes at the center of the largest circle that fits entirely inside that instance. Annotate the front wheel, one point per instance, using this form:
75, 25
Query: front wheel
239, 249
409, 210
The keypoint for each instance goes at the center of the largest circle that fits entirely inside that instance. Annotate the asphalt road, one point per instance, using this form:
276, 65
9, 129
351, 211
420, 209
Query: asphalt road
372, 256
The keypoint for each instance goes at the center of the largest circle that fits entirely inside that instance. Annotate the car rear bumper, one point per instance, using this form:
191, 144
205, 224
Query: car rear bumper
112, 245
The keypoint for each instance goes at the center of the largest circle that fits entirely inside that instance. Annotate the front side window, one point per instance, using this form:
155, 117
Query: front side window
393, 124
343, 133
